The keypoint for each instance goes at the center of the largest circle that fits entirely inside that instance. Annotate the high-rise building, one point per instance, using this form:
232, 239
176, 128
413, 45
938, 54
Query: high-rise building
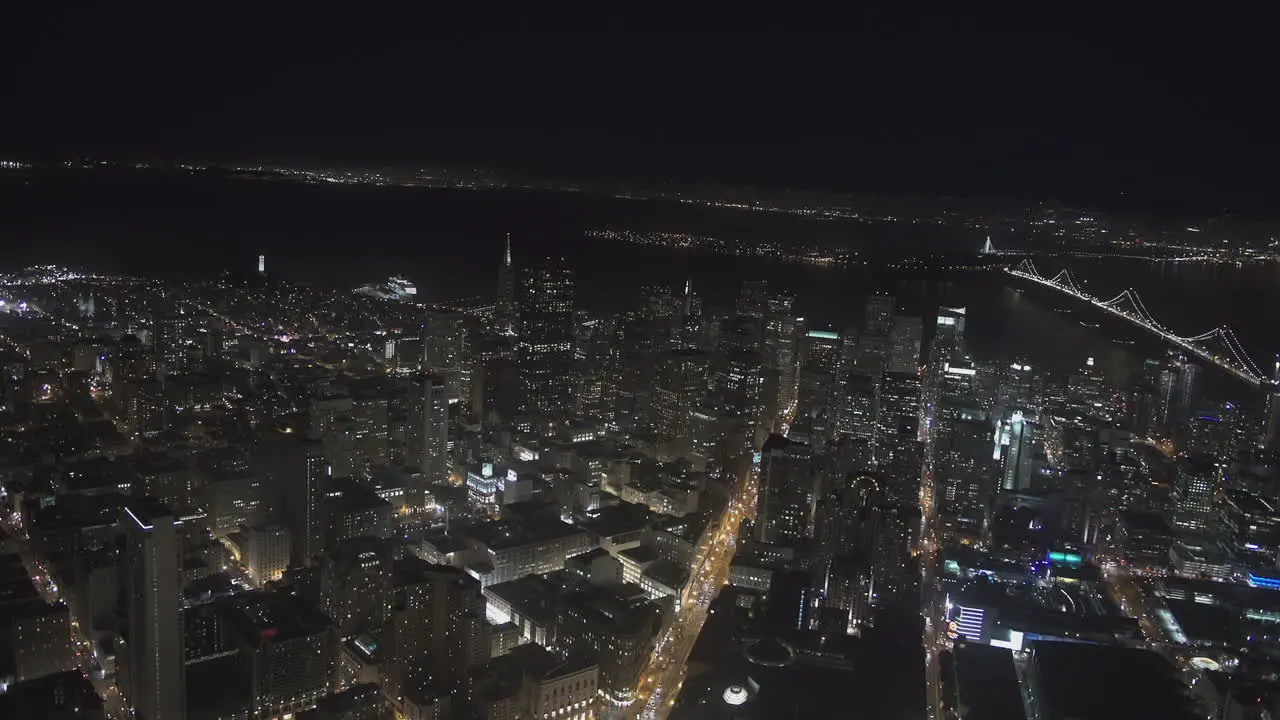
680, 383
1177, 387
262, 264
1271, 431
545, 346
427, 436
266, 552
788, 492
948, 335
504, 309
152, 672
966, 474
434, 636
904, 344
1193, 493
355, 585
879, 318
1019, 450
898, 450
286, 650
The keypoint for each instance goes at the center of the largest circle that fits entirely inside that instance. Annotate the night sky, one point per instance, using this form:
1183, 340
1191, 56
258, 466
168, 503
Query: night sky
1174, 109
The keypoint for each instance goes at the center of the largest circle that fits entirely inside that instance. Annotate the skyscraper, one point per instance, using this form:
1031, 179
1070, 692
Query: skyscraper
545, 347
788, 492
879, 318
1018, 449
504, 309
1178, 384
1193, 491
904, 344
433, 635
897, 442
1271, 431
427, 441
152, 670
948, 336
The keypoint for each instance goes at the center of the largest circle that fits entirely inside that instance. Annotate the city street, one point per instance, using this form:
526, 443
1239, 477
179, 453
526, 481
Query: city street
49, 592
660, 682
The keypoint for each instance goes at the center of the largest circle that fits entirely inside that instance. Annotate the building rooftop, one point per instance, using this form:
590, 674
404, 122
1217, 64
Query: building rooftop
540, 664
987, 682
507, 534
64, 694
273, 616
616, 519
146, 512
1122, 683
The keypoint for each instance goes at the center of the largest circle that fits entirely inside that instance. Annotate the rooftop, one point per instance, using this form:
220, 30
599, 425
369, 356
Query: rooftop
274, 616
987, 682
1123, 683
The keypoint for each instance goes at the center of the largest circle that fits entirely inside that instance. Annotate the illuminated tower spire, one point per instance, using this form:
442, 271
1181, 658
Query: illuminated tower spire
504, 311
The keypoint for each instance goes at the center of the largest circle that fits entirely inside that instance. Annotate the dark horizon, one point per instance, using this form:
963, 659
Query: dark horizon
1167, 113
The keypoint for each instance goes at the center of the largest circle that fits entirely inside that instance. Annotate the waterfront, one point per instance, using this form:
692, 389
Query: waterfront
450, 243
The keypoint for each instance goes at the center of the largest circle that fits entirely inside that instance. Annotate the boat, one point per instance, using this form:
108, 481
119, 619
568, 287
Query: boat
397, 288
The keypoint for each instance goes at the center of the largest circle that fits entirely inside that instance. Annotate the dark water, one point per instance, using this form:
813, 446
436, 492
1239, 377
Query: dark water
450, 242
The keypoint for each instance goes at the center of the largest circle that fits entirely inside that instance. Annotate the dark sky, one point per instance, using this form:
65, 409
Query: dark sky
1175, 108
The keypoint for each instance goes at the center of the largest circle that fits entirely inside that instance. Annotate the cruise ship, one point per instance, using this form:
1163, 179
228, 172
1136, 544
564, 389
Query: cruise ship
401, 286
397, 288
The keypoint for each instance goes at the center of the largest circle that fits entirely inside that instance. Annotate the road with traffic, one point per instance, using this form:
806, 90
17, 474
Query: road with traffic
662, 677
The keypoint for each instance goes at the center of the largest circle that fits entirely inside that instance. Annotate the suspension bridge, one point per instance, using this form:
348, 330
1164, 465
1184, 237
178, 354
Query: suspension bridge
1218, 346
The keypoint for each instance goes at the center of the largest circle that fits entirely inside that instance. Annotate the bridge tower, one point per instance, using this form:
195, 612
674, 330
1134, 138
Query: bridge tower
988, 248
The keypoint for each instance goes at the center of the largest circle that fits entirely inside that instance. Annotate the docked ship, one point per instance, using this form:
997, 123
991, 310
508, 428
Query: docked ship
396, 288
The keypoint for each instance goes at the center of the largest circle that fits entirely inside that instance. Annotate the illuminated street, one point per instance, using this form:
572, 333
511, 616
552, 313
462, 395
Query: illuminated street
660, 682
112, 701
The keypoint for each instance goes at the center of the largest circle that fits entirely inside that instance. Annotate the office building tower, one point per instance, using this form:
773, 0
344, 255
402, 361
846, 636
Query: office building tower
856, 408
1271, 429
821, 352
889, 533
879, 315
286, 650
779, 348
741, 388
151, 668
434, 635
504, 308
965, 471
262, 264
36, 639
948, 335
1193, 494
427, 431
266, 552
679, 387
545, 346
898, 450
904, 344
355, 585
1016, 388
788, 492
299, 475
753, 301
446, 349
1019, 449
1177, 387
849, 587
